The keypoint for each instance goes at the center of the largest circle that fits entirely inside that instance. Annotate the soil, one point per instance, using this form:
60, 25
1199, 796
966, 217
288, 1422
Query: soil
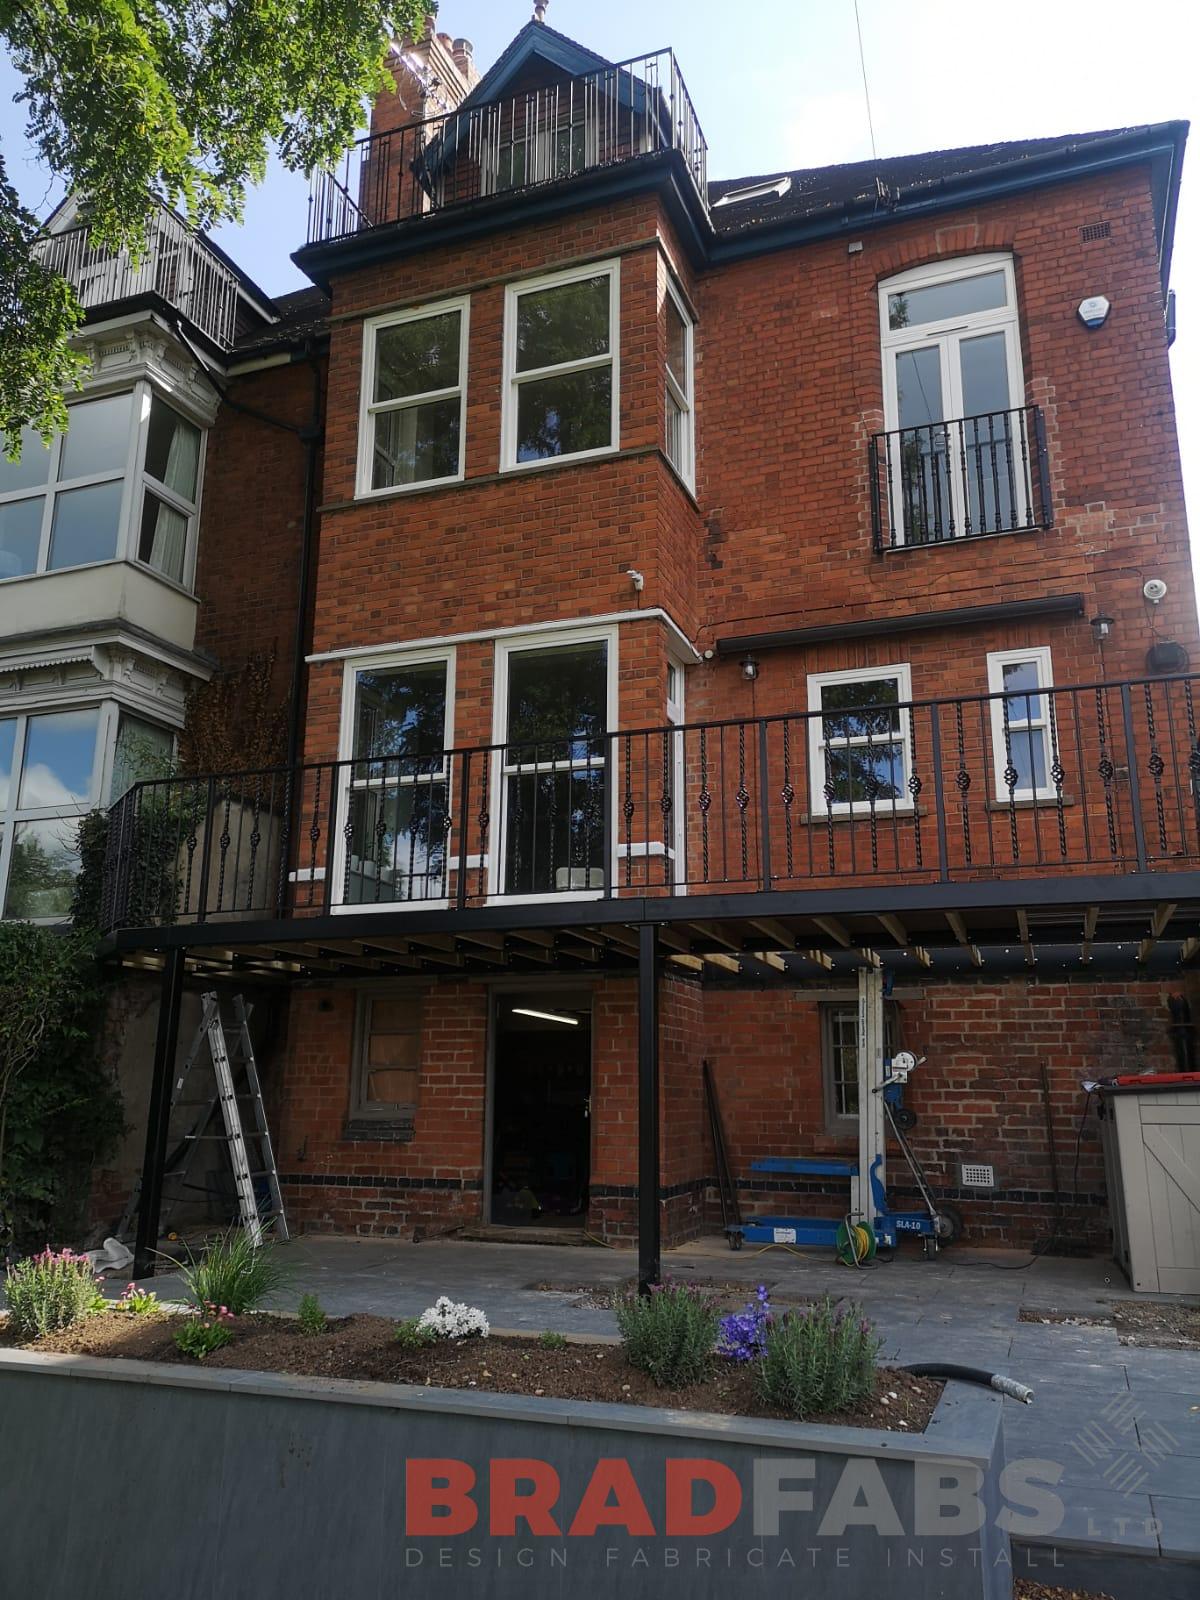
365, 1347
1169, 1326
1030, 1589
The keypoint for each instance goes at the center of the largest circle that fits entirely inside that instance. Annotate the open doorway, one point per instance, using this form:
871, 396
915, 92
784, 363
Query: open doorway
541, 1108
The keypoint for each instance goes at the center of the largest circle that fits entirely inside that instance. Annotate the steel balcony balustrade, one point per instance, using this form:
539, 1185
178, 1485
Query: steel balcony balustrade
1044, 783
963, 478
616, 114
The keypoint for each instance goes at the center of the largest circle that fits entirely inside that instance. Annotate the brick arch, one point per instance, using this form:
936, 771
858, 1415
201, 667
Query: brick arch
963, 239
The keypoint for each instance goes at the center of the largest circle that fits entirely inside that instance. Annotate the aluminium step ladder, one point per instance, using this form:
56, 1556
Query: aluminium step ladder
230, 1052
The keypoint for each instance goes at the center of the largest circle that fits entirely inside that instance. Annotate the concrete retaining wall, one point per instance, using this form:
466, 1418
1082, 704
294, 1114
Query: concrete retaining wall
125, 1478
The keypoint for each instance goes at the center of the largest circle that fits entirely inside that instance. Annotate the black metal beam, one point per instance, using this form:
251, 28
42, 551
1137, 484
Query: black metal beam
649, 1220
1052, 605
158, 1120
1070, 895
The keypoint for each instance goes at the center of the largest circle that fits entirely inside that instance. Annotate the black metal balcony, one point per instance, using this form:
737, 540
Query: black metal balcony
1040, 785
616, 114
963, 478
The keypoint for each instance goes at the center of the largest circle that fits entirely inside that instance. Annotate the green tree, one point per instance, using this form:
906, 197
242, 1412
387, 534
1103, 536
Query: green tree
179, 99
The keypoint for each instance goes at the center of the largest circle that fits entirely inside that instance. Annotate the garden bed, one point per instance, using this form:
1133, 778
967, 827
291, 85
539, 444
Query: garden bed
365, 1348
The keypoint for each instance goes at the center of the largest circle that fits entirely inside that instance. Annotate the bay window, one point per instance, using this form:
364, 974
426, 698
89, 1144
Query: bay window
395, 802
859, 740
170, 484
68, 505
680, 439
561, 368
413, 424
50, 775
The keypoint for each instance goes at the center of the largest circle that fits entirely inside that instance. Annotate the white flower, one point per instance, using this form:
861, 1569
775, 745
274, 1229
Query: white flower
449, 1319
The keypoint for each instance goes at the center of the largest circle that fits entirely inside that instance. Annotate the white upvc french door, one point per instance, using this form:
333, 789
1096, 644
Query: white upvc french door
958, 450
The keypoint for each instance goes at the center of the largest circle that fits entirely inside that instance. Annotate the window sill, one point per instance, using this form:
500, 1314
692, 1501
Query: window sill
962, 540
883, 816
399, 1129
1042, 803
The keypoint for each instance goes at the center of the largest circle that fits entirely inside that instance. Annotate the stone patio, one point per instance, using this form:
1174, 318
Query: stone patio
1123, 1423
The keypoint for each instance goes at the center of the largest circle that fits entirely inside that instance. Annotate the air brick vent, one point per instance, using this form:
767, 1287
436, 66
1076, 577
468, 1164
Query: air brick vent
1095, 230
976, 1176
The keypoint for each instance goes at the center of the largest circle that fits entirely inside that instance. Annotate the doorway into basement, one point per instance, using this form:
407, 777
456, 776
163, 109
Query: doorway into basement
541, 1108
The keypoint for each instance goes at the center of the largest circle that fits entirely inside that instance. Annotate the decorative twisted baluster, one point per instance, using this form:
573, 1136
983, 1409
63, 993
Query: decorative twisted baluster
915, 785
829, 790
190, 844
1057, 776
314, 833
787, 794
1010, 776
485, 821
1107, 770
666, 805
255, 841
224, 841
1193, 754
742, 798
627, 811
704, 801
962, 782
1156, 766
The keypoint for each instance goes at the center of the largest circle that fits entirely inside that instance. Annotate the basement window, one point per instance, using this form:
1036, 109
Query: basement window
387, 1060
839, 1059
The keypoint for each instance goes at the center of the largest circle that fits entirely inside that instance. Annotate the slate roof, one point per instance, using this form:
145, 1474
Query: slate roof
818, 191
303, 314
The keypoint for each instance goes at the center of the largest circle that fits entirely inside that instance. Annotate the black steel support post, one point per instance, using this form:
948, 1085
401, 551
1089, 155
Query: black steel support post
159, 1116
649, 1225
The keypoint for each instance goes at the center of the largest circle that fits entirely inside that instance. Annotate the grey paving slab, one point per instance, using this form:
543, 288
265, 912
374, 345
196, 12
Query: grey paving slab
1096, 1516
1180, 1526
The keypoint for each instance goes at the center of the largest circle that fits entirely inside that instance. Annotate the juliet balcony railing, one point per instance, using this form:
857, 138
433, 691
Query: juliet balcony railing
1045, 783
616, 114
175, 265
960, 479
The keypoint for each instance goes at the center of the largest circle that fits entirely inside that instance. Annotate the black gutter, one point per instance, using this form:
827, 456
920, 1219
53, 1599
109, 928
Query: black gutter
1054, 605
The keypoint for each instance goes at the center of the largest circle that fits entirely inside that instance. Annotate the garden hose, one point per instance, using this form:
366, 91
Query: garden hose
991, 1380
855, 1243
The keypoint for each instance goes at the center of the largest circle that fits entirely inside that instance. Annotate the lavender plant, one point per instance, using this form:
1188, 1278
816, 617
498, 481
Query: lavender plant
669, 1334
818, 1358
743, 1334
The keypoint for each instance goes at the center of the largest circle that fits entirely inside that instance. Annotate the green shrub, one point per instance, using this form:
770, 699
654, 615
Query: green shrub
669, 1334
200, 1335
234, 1273
311, 1315
50, 1291
410, 1335
551, 1340
819, 1358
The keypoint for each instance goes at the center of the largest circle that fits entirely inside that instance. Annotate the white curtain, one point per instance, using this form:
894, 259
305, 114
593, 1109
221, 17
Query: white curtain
169, 543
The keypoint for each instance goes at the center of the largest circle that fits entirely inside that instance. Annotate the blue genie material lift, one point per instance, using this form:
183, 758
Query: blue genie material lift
869, 1222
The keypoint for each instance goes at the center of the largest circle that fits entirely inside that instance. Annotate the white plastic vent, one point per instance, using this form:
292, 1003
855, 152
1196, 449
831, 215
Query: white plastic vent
976, 1176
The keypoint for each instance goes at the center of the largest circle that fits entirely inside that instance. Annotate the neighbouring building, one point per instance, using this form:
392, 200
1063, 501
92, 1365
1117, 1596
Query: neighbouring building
705, 590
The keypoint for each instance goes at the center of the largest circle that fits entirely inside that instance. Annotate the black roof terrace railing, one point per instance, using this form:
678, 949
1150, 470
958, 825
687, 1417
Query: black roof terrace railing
616, 114
1038, 783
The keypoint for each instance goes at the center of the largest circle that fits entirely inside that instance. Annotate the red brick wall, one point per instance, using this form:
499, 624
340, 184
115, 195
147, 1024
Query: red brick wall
251, 522
978, 1096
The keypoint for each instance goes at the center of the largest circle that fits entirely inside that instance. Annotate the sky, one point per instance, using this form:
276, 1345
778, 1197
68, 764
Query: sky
778, 84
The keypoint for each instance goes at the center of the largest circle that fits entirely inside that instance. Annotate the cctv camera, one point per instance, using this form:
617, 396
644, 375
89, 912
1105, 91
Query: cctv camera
1155, 590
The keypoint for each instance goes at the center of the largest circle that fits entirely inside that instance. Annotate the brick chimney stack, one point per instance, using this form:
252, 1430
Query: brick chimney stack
432, 75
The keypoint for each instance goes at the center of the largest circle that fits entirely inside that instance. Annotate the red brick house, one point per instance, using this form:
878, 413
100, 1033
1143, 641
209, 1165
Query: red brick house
706, 591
